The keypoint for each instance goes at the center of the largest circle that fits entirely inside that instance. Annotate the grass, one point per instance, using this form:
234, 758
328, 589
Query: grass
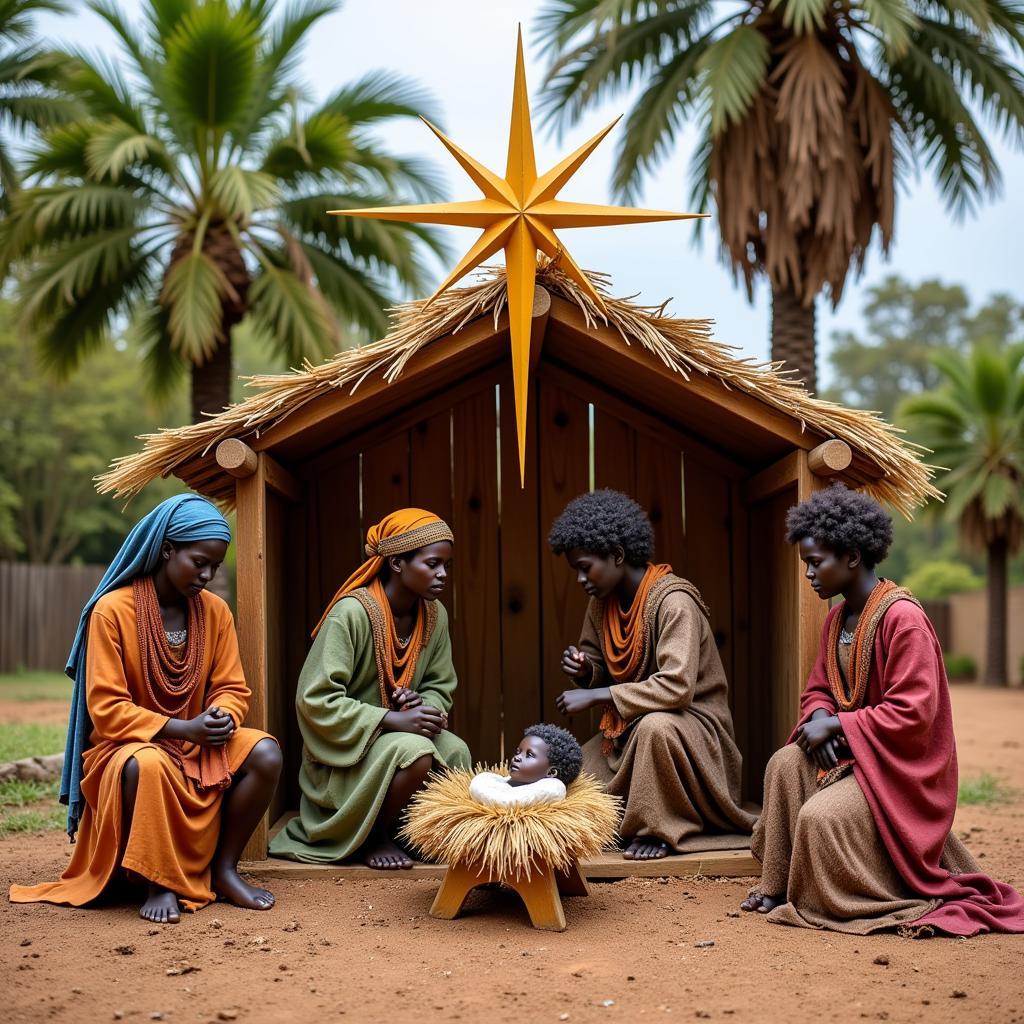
30, 739
34, 686
985, 789
29, 807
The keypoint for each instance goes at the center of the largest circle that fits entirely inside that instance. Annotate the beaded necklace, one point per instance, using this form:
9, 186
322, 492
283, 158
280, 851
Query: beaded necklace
170, 680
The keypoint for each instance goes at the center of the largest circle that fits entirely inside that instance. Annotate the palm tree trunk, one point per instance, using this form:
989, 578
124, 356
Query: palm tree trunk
793, 335
211, 382
996, 641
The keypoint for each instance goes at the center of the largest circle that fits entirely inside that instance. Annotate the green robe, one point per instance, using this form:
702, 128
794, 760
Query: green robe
348, 762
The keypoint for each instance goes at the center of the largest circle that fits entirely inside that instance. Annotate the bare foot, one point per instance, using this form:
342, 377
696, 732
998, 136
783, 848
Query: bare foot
385, 856
228, 884
761, 904
161, 906
646, 848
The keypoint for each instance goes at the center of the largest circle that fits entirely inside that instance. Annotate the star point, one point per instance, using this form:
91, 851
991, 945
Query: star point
519, 213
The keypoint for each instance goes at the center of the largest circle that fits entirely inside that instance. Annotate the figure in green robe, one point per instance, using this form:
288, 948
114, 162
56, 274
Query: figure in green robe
373, 698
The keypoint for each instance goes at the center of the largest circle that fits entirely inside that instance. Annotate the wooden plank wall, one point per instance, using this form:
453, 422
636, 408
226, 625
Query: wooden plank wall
513, 605
39, 610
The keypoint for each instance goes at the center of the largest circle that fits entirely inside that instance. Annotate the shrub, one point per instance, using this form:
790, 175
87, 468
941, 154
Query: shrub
960, 666
934, 581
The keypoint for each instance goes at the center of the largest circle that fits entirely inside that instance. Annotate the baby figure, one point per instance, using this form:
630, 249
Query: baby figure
547, 760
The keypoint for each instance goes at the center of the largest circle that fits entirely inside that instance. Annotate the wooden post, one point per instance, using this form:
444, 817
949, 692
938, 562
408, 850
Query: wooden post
813, 609
251, 601
829, 458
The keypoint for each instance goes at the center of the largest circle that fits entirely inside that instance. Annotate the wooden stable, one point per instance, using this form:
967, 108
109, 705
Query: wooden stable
716, 467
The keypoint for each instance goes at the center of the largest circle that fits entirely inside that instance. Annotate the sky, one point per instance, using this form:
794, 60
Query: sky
463, 53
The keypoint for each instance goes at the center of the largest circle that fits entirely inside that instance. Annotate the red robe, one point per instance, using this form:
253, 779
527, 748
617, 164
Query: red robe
905, 762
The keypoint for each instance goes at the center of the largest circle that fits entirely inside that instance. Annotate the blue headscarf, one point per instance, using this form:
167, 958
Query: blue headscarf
186, 517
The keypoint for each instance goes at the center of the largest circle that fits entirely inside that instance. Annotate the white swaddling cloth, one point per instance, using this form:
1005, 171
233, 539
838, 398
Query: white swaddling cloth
494, 790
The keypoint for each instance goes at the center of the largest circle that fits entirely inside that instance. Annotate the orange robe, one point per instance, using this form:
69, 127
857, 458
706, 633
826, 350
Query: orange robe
175, 828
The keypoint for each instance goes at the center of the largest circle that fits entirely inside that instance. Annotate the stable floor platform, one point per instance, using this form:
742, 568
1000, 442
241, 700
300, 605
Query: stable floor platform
727, 856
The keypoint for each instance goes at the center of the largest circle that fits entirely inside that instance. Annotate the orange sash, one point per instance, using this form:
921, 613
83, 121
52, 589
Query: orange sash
625, 643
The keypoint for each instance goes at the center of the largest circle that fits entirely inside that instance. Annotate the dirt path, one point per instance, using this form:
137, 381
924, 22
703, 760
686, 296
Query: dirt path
368, 952
40, 712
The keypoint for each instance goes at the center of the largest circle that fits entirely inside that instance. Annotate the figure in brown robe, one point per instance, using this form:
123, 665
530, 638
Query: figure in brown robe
647, 654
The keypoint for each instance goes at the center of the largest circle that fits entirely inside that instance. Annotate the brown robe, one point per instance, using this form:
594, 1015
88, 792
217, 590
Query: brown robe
677, 766
175, 828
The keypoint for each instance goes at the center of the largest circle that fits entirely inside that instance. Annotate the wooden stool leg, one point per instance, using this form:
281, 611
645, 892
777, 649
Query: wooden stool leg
573, 882
459, 880
540, 894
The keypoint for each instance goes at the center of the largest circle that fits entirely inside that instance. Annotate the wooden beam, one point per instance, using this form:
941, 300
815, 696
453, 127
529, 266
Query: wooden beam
830, 457
775, 478
251, 603
236, 457
605, 866
280, 480
813, 609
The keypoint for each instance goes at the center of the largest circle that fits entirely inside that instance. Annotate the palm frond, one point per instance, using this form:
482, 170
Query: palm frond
802, 16
211, 66
193, 294
288, 309
381, 95
735, 67
894, 19
240, 192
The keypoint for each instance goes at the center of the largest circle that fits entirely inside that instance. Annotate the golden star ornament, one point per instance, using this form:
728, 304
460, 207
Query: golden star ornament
519, 213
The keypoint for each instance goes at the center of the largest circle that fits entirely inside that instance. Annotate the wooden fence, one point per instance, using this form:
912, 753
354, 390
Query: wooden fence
39, 610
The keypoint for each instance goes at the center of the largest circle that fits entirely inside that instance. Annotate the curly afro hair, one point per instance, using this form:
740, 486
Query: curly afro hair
600, 521
564, 752
845, 521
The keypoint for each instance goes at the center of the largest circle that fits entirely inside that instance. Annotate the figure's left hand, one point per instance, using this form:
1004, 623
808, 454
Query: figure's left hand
406, 699
811, 735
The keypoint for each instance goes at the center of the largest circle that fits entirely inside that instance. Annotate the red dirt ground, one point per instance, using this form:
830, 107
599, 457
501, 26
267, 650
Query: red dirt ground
366, 951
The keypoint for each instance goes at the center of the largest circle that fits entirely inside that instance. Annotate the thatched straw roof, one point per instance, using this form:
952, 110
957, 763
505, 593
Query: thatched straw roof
684, 346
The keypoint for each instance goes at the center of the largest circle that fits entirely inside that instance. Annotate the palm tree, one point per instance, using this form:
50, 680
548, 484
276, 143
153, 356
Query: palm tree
194, 195
29, 80
809, 111
974, 424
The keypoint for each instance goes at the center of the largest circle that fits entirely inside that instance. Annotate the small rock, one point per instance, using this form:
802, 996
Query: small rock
630, 977
181, 969
563, 1016
119, 1015
291, 926
25, 942
216, 923
282, 967
156, 1015
607, 1002
227, 1015
732, 913
124, 950
153, 931
76, 991
882, 960
958, 993
702, 1013
705, 944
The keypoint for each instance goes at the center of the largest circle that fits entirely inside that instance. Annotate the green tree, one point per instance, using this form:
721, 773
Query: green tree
54, 438
30, 77
809, 112
195, 193
974, 423
904, 324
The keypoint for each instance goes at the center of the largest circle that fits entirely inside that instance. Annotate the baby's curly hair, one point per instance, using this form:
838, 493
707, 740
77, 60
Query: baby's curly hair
600, 521
844, 520
564, 752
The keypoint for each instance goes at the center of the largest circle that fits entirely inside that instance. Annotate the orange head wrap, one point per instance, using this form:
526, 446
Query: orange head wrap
404, 530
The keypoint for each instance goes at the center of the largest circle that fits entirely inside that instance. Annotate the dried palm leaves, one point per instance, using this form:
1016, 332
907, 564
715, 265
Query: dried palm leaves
685, 346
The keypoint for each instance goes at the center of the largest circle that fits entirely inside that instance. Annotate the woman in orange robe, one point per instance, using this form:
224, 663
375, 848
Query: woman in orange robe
161, 779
